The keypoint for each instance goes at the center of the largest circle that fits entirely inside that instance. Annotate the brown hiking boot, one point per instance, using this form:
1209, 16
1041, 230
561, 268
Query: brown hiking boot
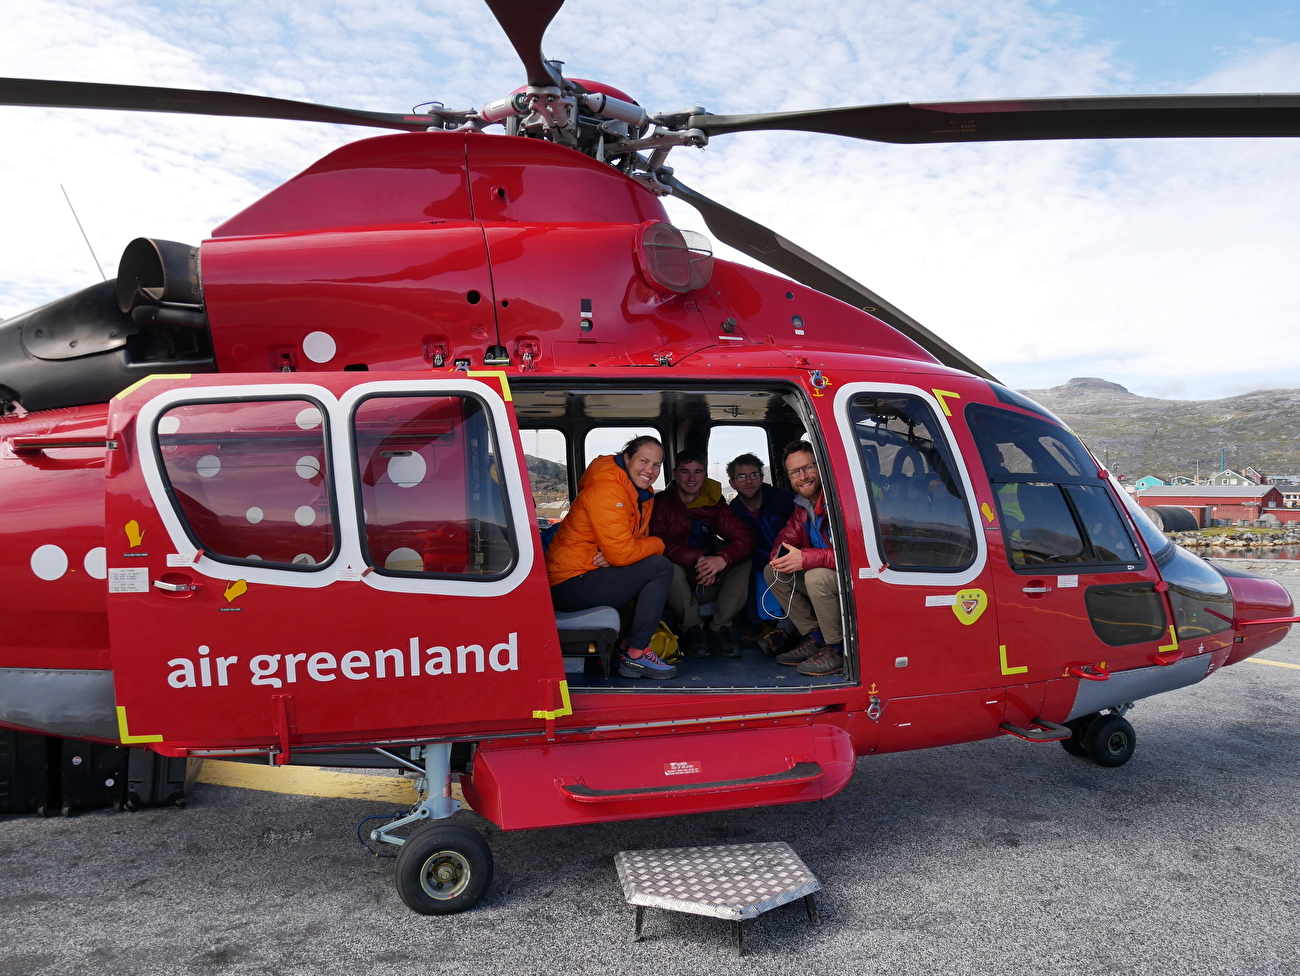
827, 660
774, 642
801, 652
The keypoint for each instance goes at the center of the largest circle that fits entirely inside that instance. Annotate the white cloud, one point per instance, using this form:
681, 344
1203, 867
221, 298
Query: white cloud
1157, 264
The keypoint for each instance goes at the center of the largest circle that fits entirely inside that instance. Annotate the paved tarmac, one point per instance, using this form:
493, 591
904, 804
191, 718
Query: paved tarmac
998, 857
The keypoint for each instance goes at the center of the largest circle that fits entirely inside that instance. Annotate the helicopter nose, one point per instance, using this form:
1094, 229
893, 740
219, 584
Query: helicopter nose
1257, 597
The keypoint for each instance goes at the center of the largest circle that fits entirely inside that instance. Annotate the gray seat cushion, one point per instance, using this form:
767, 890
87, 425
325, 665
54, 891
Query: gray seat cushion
594, 618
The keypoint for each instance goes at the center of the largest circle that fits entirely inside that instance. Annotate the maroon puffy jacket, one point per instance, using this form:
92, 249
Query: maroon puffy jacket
796, 533
671, 522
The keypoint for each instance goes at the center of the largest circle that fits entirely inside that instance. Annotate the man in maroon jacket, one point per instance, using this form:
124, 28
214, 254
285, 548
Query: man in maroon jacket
802, 571
710, 547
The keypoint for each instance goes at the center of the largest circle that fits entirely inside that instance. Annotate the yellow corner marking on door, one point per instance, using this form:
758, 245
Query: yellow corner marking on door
1002, 653
153, 376
565, 708
987, 511
126, 736
134, 534
1173, 645
1276, 664
941, 396
499, 374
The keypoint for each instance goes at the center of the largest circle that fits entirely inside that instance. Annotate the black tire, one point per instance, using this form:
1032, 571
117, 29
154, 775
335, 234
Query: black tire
1079, 726
1110, 741
443, 868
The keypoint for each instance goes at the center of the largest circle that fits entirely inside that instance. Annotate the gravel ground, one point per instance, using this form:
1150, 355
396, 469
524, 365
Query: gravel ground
994, 857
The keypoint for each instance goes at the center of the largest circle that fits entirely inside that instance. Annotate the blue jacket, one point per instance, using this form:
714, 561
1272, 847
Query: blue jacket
767, 522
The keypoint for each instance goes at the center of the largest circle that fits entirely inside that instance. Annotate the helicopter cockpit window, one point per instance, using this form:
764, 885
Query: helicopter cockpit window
1055, 507
250, 479
431, 493
921, 513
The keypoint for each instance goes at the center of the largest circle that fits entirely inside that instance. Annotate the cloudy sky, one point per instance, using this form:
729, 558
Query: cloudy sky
1168, 265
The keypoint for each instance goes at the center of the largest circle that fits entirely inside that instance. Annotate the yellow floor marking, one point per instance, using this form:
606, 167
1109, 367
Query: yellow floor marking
313, 781
1276, 664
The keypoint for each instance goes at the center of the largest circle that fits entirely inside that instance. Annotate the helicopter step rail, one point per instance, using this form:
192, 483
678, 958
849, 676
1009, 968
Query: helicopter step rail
798, 774
1048, 732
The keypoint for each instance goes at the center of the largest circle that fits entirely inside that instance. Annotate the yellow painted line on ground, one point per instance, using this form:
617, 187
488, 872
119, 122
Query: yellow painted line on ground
1276, 664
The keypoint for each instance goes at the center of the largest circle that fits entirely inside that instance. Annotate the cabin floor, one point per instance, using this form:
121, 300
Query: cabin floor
752, 669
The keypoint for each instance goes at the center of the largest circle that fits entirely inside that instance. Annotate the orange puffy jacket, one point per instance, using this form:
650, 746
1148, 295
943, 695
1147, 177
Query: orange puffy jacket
607, 516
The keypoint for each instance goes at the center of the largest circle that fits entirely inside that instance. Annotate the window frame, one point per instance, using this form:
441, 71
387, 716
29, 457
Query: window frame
1077, 568
348, 564
326, 470
868, 517
363, 538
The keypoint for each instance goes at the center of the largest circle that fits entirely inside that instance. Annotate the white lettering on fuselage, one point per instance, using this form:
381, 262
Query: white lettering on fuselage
279, 670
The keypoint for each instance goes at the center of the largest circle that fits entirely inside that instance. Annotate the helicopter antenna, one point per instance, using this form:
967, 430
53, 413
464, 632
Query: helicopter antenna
83, 232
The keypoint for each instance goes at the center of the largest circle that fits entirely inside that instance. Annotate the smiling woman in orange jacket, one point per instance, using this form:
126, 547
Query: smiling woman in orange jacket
603, 554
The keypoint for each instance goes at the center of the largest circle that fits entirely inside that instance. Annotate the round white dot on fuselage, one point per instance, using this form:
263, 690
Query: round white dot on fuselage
407, 471
254, 515
96, 563
169, 425
49, 562
208, 466
319, 347
305, 515
308, 418
404, 560
308, 466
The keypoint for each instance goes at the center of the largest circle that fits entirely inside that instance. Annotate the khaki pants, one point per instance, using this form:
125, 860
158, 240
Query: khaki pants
731, 591
815, 603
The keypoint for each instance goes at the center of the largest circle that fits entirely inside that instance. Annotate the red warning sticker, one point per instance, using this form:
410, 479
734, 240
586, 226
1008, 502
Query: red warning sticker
683, 768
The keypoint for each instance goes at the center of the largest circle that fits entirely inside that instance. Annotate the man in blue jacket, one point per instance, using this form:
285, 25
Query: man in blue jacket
766, 509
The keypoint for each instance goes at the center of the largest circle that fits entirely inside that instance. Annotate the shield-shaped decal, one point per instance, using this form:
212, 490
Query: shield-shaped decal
970, 605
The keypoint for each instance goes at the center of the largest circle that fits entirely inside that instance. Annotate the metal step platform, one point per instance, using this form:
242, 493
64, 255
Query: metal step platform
733, 882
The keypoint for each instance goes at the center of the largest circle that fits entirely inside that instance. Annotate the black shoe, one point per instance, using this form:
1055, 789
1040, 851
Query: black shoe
775, 642
693, 643
723, 643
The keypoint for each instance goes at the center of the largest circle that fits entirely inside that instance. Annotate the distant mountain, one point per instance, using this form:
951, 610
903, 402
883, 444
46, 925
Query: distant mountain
1136, 435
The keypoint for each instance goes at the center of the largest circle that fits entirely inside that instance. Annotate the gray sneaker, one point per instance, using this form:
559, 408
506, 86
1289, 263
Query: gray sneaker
647, 665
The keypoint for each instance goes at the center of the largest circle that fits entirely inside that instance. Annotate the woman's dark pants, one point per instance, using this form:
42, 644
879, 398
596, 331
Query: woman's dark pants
646, 581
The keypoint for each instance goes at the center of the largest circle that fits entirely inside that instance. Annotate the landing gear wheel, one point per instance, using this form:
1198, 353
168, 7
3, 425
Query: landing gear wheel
443, 868
1079, 726
1110, 741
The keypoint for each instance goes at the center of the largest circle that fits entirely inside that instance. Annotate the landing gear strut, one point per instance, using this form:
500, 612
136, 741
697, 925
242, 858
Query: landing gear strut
443, 867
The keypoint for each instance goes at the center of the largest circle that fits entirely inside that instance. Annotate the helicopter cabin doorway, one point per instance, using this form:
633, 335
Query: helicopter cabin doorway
563, 431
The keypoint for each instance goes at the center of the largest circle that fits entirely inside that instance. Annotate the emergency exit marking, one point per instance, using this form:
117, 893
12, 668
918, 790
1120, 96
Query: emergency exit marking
176, 559
128, 580
941, 600
1065, 582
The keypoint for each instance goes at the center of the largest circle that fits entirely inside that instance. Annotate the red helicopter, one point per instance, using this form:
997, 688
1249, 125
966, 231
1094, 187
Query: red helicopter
207, 555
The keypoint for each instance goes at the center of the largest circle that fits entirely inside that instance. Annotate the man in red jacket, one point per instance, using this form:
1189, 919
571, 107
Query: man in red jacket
802, 571
709, 546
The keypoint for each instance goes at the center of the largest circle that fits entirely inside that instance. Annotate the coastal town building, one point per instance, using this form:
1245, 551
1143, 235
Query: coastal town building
1222, 503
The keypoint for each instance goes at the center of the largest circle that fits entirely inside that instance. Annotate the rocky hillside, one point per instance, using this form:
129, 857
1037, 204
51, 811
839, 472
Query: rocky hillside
1137, 435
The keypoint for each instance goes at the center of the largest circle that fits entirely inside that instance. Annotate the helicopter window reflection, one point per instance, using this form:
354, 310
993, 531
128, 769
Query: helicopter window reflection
1055, 507
432, 498
251, 480
921, 511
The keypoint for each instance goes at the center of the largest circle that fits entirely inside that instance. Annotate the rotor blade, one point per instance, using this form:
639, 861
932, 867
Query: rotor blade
1117, 117
132, 98
790, 259
525, 22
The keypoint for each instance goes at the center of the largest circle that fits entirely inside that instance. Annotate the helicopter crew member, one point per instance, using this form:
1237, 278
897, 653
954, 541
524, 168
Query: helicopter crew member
604, 555
802, 572
710, 549
765, 509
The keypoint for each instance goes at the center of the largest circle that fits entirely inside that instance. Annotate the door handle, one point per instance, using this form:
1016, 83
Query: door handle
177, 587
1036, 589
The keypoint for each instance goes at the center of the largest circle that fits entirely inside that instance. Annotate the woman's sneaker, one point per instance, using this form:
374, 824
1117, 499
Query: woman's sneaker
645, 666
801, 652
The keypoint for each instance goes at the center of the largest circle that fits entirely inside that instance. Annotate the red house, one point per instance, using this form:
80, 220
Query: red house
1248, 502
